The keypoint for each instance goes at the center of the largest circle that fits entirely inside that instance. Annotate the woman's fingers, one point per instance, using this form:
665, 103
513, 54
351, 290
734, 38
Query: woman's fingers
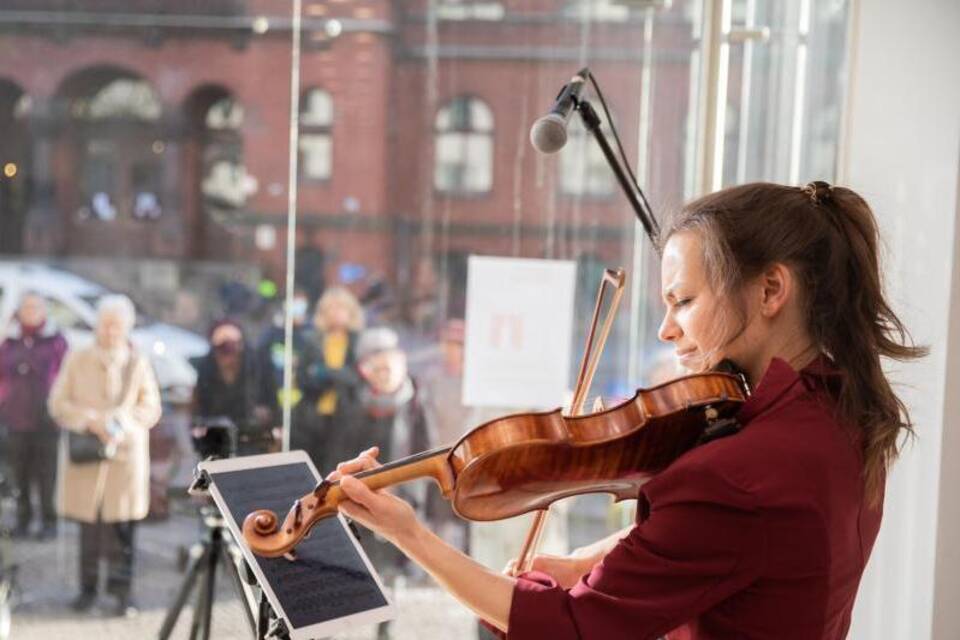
364, 505
358, 492
565, 570
356, 511
366, 461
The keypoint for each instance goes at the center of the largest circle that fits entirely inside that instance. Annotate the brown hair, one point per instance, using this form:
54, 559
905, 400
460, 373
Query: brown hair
828, 237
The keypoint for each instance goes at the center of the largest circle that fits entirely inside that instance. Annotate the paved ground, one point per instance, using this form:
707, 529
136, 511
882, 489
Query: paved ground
47, 583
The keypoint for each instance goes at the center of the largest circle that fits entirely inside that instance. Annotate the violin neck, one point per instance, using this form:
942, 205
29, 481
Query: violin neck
428, 464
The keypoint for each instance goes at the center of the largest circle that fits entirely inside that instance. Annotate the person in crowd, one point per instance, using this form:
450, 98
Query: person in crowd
328, 378
762, 533
107, 389
30, 359
442, 384
232, 384
271, 347
447, 419
391, 417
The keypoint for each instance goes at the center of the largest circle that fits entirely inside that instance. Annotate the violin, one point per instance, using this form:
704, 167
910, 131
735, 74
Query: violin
524, 462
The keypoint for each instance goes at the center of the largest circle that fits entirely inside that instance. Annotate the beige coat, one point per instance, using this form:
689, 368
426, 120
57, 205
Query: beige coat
91, 383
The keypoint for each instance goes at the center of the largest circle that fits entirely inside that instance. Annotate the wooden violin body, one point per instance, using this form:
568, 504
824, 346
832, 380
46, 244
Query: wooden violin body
521, 463
524, 462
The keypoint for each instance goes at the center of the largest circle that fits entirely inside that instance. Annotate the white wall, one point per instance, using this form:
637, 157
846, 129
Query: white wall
902, 153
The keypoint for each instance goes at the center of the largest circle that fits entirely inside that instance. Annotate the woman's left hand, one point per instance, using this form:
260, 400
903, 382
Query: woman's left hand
386, 514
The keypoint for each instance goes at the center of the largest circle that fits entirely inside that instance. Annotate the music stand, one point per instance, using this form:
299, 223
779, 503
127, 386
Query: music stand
330, 587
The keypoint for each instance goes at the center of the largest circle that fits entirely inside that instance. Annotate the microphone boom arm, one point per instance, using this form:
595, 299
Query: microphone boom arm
592, 122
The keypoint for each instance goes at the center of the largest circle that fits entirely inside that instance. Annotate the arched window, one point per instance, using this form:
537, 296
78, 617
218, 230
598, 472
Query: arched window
316, 135
226, 114
226, 184
119, 144
583, 168
130, 98
464, 147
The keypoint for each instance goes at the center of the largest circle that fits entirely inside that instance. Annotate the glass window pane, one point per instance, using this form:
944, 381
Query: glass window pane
318, 109
784, 92
316, 155
146, 151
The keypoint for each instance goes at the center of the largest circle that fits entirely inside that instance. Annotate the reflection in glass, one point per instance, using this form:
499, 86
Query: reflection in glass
464, 133
316, 137
145, 149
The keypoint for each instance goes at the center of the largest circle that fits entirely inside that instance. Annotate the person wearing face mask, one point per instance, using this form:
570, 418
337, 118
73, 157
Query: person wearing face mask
30, 359
763, 533
231, 384
272, 341
328, 379
107, 389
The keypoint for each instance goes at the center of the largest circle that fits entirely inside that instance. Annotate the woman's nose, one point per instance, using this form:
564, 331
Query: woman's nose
669, 330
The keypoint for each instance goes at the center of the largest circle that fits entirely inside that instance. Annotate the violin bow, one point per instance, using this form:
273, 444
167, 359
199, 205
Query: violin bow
616, 279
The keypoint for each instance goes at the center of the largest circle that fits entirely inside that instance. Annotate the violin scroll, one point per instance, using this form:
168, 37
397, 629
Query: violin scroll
268, 537
264, 522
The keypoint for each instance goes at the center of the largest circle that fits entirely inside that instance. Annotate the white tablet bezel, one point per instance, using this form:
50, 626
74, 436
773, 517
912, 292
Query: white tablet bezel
321, 629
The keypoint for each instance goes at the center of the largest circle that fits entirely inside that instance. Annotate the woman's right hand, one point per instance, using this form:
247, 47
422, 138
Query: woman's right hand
566, 570
97, 425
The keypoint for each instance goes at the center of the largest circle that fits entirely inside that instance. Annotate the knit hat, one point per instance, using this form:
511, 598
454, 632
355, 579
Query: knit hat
373, 341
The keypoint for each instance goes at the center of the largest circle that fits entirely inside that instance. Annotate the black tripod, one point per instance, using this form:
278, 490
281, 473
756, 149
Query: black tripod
205, 556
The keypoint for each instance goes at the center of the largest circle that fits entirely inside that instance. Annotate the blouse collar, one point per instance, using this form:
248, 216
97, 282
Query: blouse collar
779, 379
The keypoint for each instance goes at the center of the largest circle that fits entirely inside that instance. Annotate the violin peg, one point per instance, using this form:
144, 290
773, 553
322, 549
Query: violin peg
320, 491
297, 513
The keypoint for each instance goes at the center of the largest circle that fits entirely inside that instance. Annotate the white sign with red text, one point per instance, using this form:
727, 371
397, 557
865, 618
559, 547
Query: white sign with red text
519, 324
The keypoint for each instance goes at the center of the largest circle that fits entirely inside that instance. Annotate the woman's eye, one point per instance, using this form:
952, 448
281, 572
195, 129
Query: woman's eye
682, 302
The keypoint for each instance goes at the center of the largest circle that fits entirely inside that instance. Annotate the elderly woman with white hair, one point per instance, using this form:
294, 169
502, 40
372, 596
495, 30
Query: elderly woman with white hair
107, 389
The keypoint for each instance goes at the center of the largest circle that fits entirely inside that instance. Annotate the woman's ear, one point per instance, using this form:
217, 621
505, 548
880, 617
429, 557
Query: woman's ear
776, 288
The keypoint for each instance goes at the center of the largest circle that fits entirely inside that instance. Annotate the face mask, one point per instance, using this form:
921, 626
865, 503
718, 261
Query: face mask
298, 309
229, 347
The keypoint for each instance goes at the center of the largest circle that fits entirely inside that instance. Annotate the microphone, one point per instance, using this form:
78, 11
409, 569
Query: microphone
549, 133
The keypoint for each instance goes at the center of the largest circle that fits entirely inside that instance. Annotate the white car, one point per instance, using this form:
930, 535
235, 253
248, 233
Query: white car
72, 303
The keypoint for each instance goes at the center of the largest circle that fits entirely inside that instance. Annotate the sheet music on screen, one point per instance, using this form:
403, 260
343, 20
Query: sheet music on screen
329, 579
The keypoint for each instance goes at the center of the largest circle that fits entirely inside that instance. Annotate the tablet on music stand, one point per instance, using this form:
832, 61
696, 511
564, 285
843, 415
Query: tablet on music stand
331, 586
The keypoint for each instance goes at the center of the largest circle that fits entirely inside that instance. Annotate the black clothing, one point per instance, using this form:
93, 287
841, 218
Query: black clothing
113, 541
270, 348
327, 438
33, 456
254, 387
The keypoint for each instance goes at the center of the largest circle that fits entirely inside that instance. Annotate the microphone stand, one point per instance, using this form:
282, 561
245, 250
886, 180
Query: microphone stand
642, 209
592, 122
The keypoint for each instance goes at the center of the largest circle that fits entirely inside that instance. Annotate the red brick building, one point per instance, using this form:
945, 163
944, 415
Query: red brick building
161, 129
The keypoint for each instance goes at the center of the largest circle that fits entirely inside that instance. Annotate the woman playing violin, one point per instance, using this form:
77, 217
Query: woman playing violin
761, 534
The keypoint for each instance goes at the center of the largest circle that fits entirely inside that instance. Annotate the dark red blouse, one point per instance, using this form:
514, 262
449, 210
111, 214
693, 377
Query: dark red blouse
763, 534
